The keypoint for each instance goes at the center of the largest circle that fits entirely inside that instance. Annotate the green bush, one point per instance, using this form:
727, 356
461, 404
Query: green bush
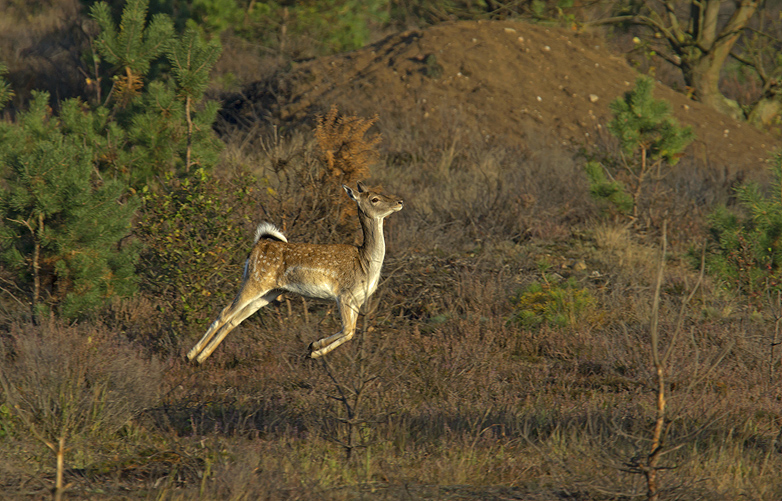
196, 233
219, 15
550, 303
610, 192
331, 26
6, 93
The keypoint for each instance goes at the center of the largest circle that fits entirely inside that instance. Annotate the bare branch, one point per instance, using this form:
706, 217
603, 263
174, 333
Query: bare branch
680, 319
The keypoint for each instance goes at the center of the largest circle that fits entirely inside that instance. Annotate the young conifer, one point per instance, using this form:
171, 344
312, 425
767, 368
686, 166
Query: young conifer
164, 129
649, 138
6, 93
63, 226
748, 253
133, 46
645, 128
192, 59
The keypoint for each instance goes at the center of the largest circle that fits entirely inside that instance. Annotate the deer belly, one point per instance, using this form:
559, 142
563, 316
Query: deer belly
310, 282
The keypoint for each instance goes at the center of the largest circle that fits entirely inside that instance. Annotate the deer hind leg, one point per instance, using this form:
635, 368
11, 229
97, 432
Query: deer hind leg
348, 312
242, 307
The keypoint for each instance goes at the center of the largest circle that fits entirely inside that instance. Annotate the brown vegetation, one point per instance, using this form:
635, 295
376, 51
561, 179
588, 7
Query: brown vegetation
442, 395
42, 47
346, 153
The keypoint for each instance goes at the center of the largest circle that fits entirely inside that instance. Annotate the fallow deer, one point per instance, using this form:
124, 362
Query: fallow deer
346, 274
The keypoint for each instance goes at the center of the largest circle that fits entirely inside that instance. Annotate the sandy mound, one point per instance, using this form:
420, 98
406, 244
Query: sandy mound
498, 81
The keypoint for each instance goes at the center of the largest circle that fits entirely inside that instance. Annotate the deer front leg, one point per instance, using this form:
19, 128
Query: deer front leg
348, 312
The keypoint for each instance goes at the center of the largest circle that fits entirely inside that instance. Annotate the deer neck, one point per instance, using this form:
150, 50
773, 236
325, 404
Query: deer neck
373, 250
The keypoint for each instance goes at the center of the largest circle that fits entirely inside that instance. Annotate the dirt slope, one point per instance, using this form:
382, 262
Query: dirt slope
496, 80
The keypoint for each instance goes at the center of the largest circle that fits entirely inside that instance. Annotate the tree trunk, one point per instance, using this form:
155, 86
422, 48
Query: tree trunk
765, 111
714, 47
704, 78
189, 134
37, 262
701, 49
652, 486
58, 487
703, 62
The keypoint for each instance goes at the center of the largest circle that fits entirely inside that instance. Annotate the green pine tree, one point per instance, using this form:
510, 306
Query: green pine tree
192, 59
162, 129
161, 142
649, 138
6, 93
748, 242
63, 227
645, 128
103, 136
156, 133
132, 46
608, 190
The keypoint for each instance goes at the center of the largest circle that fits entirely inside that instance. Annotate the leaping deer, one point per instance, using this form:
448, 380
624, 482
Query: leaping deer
343, 273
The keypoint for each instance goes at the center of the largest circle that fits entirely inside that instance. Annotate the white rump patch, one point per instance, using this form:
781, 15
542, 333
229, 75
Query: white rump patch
269, 230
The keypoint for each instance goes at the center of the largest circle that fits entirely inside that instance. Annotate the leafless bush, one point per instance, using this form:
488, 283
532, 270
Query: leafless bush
71, 385
463, 195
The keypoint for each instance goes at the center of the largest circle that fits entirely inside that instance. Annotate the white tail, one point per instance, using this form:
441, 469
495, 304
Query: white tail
344, 273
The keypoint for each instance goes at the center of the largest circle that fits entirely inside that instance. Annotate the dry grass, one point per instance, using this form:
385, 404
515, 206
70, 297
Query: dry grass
42, 46
617, 248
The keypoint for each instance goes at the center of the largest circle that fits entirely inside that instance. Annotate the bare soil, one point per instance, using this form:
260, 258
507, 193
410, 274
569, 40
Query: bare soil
496, 81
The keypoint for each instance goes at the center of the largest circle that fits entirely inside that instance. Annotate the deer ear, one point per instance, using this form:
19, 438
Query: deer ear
350, 192
361, 187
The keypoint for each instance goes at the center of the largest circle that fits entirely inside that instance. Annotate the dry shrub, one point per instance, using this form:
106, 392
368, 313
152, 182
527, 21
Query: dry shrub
345, 152
76, 379
140, 320
464, 194
617, 246
76, 385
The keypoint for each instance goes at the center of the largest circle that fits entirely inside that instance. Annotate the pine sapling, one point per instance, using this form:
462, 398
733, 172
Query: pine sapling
650, 140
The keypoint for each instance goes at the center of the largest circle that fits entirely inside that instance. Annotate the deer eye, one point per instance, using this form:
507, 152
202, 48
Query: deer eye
375, 200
